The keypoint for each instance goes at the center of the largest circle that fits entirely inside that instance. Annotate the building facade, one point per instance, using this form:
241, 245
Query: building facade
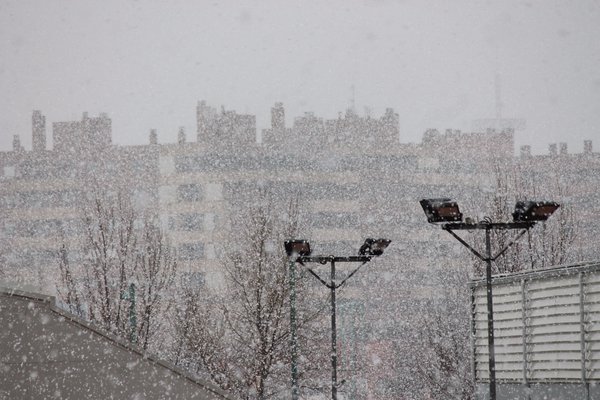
352, 177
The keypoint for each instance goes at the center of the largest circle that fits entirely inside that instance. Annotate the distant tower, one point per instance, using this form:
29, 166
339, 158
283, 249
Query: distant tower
498, 92
38, 131
278, 117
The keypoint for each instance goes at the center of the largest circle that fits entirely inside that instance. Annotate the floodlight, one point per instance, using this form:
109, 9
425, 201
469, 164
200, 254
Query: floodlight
374, 247
534, 210
298, 247
441, 210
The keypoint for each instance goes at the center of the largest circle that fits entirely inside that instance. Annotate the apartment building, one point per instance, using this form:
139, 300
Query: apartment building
352, 176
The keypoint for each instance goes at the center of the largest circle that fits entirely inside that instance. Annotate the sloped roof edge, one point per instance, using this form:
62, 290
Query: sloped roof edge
50, 303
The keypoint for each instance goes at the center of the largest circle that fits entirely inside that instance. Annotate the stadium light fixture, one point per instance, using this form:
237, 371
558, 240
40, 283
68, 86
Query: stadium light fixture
374, 247
534, 210
297, 247
441, 210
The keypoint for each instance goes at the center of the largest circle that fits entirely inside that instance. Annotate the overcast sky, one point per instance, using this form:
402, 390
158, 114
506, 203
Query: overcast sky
147, 63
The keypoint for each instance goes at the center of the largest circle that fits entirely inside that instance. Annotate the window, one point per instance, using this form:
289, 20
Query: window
9, 171
58, 198
193, 280
189, 192
191, 222
191, 251
187, 222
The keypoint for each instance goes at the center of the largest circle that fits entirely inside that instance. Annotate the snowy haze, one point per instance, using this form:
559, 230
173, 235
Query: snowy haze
147, 63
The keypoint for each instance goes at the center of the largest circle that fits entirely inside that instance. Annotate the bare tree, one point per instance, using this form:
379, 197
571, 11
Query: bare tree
156, 267
550, 242
239, 338
441, 351
124, 269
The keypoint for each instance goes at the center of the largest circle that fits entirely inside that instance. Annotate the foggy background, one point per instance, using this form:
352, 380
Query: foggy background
437, 63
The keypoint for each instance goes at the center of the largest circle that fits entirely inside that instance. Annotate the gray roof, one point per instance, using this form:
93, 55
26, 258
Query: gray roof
46, 352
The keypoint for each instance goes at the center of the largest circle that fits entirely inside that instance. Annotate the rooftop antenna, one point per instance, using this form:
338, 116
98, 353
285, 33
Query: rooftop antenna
352, 102
498, 92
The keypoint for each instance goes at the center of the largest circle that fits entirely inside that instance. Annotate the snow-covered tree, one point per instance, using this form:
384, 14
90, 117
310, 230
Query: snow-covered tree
119, 273
238, 336
550, 242
440, 352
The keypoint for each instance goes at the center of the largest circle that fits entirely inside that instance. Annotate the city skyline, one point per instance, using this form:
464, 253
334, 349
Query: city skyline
43, 136
147, 64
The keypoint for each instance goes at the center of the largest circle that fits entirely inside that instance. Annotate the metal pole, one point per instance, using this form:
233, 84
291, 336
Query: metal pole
333, 335
293, 330
490, 315
132, 316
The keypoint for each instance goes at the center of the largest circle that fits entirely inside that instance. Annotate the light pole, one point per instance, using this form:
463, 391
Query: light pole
130, 295
299, 251
525, 216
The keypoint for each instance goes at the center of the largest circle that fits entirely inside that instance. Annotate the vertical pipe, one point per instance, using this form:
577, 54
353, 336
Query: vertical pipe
525, 323
490, 315
132, 316
473, 334
583, 333
293, 329
333, 335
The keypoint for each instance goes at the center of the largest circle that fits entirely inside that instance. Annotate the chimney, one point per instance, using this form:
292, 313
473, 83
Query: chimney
153, 136
553, 149
38, 131
525, 151
17, 143
181, 135
587, 147
563, 149
278, 117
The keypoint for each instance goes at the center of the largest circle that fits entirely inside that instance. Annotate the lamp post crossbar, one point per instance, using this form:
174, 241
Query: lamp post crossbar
326, 259
524, 226
488, 225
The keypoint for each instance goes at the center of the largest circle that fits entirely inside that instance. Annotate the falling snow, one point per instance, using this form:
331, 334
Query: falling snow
157, 269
